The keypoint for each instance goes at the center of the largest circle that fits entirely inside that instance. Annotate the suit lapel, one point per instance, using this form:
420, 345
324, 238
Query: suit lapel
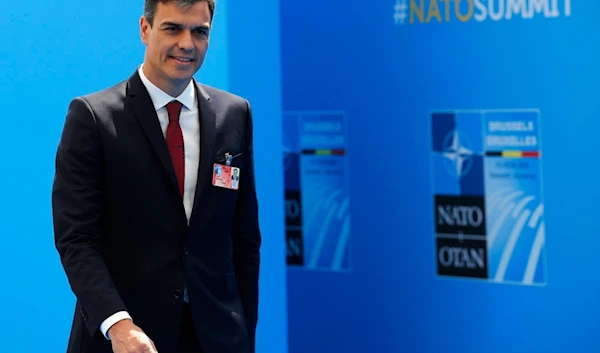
143, 109
208, 131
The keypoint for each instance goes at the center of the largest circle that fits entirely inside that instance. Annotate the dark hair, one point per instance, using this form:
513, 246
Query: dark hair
150, 7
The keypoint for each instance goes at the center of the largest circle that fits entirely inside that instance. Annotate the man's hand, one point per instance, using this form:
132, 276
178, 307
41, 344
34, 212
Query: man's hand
126, 337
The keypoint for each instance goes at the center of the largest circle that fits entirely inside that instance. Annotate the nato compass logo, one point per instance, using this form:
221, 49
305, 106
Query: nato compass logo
458, 152
457, 156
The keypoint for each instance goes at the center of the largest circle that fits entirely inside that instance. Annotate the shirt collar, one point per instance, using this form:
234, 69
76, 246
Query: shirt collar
160, 98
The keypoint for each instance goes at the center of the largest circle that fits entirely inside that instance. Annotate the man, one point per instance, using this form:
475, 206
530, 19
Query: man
160, 258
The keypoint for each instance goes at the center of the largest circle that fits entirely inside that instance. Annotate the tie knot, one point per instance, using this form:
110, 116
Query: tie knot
174, 108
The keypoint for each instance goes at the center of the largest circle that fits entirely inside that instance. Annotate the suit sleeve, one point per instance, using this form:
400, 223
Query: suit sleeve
247, 237
77, 208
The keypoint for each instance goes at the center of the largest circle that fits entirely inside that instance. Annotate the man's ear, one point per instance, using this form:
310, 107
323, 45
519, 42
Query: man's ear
144, 29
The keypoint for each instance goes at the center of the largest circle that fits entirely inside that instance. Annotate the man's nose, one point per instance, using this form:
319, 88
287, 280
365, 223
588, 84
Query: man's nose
186, 41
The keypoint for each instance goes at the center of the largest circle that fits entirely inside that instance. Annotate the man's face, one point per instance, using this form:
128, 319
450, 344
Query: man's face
176, 44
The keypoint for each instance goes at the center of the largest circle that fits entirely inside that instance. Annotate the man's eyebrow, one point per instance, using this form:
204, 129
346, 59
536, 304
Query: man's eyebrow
170, 24
173, 24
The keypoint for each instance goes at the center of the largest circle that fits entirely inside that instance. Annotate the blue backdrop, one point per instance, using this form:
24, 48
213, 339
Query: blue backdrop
374, 76
54, 51
387, 66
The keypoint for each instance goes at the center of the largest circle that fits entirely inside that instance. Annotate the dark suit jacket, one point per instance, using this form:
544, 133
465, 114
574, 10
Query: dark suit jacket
121, 230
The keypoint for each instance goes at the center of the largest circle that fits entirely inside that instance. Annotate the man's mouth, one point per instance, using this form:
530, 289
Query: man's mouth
182, 59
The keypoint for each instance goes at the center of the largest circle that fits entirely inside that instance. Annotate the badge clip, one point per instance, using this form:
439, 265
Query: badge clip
228, 159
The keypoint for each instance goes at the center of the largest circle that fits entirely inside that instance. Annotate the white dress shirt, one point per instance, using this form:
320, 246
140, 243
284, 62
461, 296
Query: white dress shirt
190, 127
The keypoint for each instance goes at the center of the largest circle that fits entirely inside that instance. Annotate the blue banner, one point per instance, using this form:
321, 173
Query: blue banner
486, 168
316, 191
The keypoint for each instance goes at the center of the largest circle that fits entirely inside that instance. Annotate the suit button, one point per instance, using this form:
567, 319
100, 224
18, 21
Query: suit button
185, 251
177, 294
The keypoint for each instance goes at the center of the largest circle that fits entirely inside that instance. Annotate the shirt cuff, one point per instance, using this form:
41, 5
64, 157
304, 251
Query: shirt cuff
113, 319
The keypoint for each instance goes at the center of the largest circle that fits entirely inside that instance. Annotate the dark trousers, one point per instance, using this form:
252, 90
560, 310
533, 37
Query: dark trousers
188, 341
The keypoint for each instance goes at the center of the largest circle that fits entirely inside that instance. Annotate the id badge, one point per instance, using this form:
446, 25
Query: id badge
225, 176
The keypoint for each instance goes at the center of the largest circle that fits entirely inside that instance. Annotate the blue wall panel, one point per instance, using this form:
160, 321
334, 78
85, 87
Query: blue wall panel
254, 72
388, 78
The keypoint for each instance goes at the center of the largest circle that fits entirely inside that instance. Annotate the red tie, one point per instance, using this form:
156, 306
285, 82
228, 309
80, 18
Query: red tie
175, 142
